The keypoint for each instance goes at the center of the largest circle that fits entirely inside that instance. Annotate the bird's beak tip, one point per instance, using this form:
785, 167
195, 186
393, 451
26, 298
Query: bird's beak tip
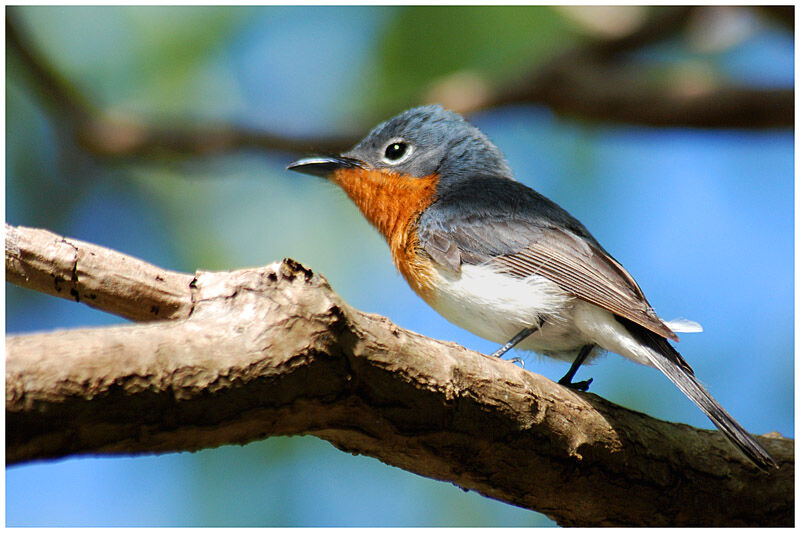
323, 166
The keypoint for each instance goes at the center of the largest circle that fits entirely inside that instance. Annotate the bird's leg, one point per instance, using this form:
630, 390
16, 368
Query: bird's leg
516, 339
567, 379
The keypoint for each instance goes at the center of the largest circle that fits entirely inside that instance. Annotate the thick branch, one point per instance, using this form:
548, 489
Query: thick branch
274, 351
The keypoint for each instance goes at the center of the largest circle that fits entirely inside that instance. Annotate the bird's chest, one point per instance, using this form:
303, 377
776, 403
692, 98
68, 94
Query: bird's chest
392, 203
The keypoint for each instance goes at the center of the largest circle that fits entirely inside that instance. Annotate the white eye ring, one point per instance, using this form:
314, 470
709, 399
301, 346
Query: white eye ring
396, 151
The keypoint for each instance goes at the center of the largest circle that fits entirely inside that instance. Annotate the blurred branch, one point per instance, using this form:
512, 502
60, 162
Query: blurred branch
587, 90
130, 137
113, 136
54, 91
594, 82
782, 14
589, 82
274, 351
665, 22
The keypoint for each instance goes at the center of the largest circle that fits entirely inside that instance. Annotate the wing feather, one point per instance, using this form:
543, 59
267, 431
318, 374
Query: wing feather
589, 273
577, 263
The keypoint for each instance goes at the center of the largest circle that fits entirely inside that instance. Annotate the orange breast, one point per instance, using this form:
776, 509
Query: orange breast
392, 203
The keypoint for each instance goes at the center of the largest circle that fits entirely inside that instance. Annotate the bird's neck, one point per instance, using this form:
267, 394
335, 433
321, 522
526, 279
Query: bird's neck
392, 203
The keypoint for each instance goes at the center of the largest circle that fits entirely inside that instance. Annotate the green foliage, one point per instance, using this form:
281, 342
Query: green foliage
423, 43
132, 56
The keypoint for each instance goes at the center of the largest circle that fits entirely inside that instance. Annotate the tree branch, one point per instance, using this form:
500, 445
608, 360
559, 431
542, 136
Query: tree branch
595, 82
784, 15
274, 351
128, 136
582, 88
99, 277
585, 82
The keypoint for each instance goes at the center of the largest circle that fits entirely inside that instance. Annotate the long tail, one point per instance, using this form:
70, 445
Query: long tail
664, 357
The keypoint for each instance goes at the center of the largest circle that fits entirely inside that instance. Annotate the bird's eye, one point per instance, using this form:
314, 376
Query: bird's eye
396, 151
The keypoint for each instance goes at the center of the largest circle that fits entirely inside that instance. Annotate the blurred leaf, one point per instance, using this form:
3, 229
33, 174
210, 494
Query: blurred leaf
145, 54
174, 43
422, 44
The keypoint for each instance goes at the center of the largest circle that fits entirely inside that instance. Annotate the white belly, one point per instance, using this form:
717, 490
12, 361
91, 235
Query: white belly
497, 306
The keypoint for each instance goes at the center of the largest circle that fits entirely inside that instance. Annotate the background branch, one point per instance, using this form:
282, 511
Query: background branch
782, 14
595, 81
274, 351
129, 136
591, 82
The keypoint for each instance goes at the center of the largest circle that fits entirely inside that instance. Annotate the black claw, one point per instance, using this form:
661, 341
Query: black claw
581, 386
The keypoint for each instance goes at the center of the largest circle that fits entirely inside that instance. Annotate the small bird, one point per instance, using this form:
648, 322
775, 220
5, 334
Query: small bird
497, 258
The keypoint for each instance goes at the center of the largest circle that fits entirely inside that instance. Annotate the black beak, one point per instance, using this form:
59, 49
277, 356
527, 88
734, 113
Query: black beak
324, 166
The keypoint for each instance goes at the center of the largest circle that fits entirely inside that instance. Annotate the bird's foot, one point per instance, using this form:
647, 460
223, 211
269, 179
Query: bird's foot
517, 360
581, 386
501, 352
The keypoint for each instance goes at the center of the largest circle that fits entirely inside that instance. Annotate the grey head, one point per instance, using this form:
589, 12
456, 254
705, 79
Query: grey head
430, 140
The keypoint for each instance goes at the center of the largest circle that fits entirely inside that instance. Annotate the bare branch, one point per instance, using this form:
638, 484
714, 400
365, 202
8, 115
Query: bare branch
54, 90
130, 137
583, 89
99, 277
587, 82
594, 82
782, 14
114, 136
274, 351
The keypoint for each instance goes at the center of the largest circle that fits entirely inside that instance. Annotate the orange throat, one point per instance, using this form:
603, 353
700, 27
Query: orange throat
392, 203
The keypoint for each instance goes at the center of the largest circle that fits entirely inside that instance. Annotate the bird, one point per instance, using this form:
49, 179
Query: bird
499, 259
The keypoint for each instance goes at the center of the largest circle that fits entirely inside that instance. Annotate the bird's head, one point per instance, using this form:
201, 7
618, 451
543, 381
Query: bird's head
404, 165
418, 143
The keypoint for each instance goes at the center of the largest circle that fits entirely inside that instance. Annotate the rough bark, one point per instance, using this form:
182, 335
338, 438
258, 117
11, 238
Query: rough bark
101, 278
274, 351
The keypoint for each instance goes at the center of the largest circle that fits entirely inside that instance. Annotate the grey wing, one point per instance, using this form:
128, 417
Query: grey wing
578, 264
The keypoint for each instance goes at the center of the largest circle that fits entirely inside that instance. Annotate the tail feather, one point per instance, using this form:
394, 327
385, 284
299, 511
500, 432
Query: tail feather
665, 358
